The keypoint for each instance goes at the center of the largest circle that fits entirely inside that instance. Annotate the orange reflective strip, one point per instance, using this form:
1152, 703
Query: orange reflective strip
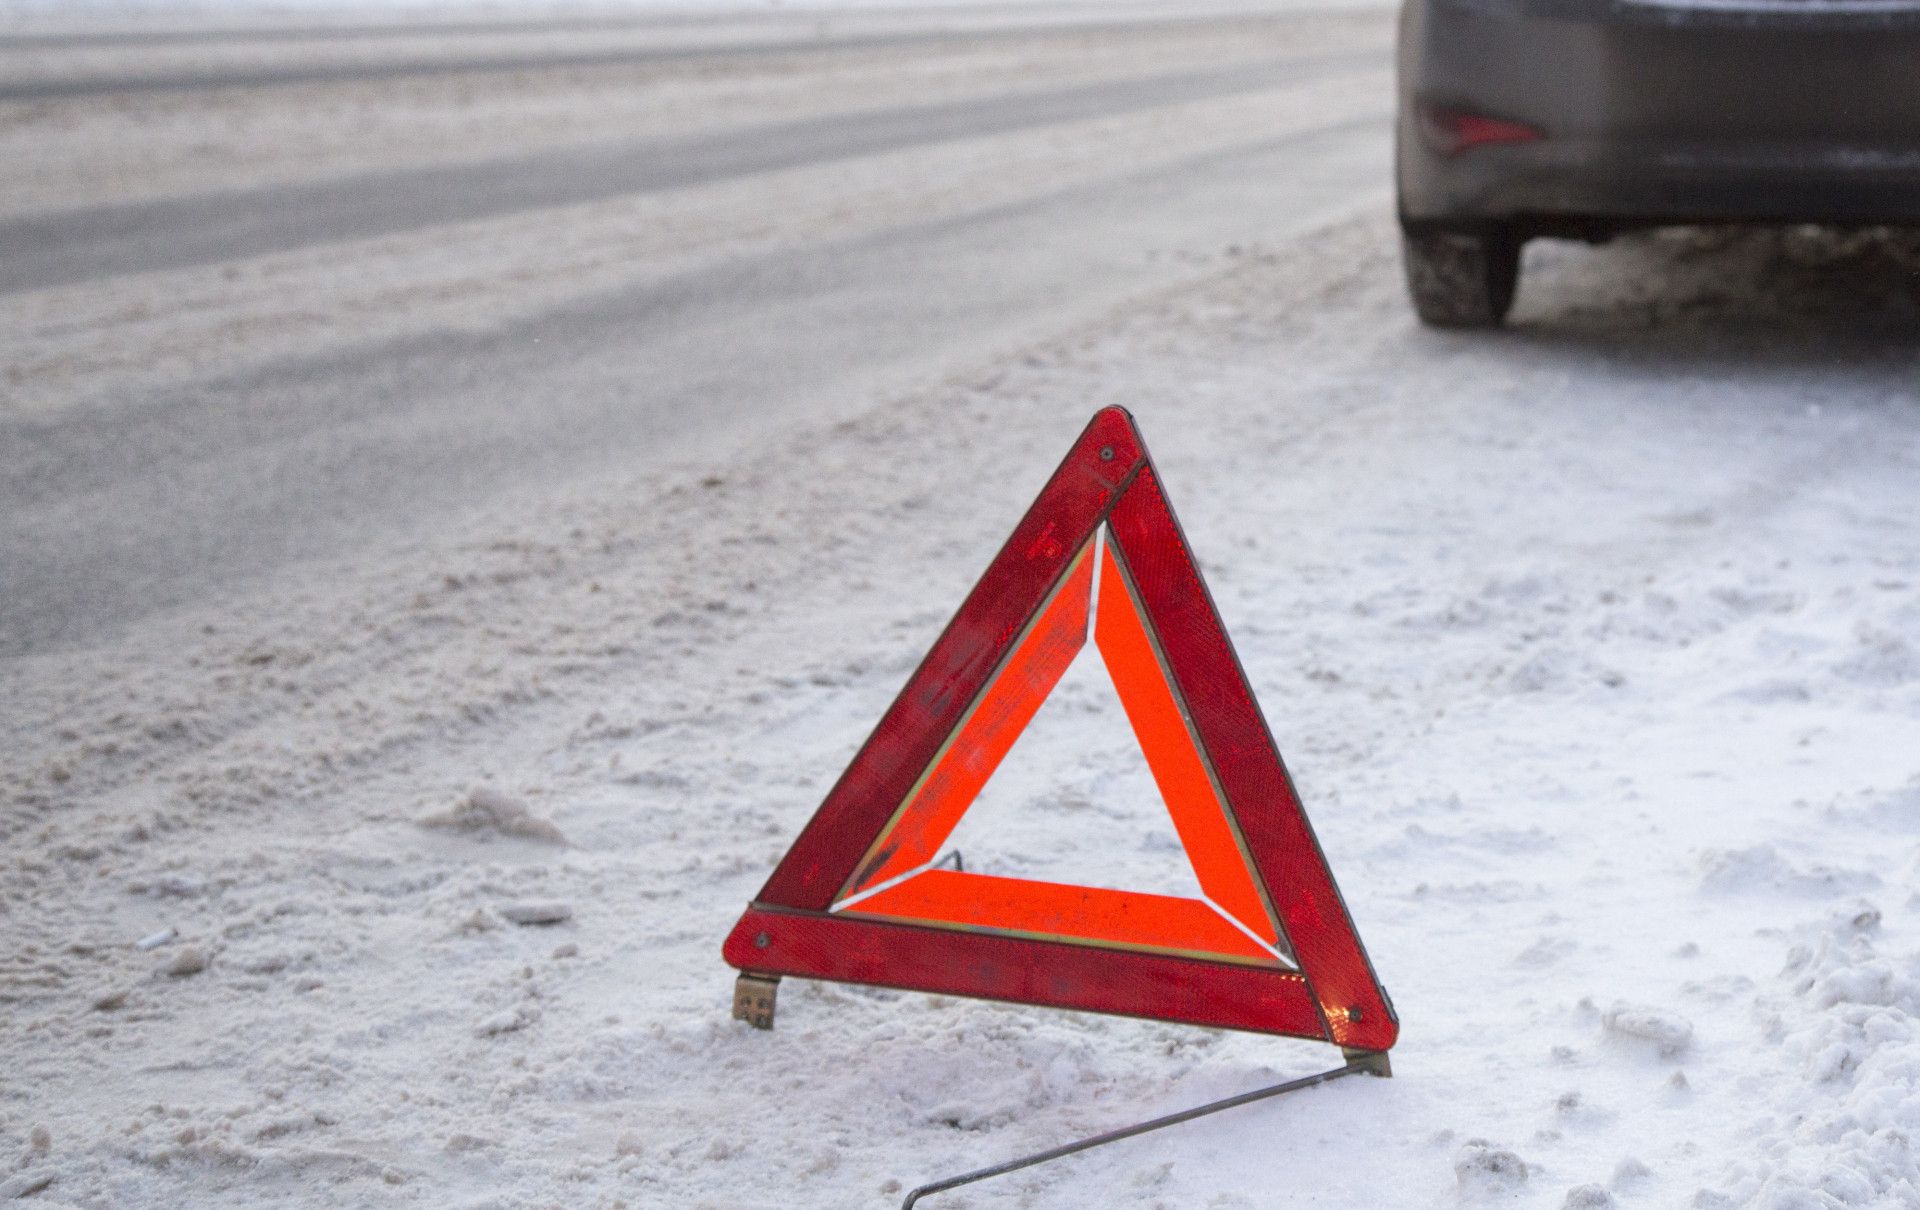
1057, 912
934, 806
1198, 814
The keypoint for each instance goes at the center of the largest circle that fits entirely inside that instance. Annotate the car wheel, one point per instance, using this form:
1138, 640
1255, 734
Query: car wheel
1461, 279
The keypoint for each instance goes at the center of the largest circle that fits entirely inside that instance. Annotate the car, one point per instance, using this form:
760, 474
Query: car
1585, 118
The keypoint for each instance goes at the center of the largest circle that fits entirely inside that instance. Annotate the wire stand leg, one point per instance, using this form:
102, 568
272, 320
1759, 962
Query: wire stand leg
1359, 1064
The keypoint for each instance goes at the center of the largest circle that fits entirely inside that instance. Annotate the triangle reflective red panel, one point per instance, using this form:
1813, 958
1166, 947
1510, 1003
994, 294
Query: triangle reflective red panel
862, 897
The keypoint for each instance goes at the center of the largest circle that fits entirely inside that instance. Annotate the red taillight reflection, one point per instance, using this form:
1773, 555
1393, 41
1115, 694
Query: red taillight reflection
1452, 131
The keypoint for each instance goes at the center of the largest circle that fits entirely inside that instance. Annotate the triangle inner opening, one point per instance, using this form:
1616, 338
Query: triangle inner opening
1173, 875
1073, 801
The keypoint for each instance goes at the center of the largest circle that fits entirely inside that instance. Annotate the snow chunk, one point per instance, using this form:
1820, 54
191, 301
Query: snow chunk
460, 1143
1761, 868
169, 886
191, 960
1884, 660
25, 1185
1630, 1173
1588, 1197
1485, 1169
537, 911
1545, 951
1670, 1033
1555, 669
510, 1021
1841, 1128
489, 810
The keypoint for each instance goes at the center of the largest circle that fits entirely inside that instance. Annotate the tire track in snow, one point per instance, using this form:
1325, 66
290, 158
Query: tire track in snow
81, 245
279, 463
807, 43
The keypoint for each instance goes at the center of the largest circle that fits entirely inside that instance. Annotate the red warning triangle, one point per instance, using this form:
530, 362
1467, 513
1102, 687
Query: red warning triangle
1269, 946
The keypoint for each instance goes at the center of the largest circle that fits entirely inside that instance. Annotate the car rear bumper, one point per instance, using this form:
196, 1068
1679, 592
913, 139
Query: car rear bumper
1649, 113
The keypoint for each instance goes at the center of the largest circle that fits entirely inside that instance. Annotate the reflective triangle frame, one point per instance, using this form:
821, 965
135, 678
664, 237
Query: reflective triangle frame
856, 899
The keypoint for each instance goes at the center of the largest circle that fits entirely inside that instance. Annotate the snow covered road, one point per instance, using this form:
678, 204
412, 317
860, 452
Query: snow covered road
1594, 647
315, 317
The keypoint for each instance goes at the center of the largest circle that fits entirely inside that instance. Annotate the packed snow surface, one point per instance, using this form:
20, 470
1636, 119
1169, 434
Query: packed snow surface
1592, 647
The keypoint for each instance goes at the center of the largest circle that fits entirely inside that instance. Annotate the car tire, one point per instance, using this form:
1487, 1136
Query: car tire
1461, 279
